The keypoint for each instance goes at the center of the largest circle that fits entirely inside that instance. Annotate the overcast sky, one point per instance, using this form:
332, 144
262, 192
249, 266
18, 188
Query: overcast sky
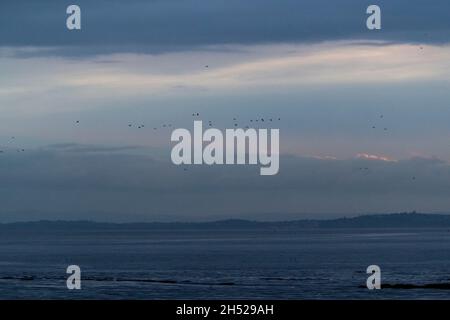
364, 114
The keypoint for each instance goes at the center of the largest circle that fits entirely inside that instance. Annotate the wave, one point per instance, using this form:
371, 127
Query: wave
434, 286
118, 279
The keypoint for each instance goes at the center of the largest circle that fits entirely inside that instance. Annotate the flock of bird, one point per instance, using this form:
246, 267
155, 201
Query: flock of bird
235, 123
250, 123
11, 140
384, 128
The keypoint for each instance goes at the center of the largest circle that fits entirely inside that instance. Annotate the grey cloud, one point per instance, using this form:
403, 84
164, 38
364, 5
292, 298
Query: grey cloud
53, 184
161, 26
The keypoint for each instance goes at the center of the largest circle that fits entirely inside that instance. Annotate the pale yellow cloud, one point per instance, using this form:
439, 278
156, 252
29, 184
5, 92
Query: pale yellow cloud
368, 156
269, 67
325, 64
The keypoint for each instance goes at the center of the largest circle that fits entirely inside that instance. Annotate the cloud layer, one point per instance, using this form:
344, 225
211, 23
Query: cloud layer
111, 185
161, 26
353, 105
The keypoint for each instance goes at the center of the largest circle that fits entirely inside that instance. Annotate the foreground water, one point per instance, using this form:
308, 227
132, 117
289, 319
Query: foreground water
230, 264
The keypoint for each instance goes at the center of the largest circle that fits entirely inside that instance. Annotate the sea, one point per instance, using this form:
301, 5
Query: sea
229, 263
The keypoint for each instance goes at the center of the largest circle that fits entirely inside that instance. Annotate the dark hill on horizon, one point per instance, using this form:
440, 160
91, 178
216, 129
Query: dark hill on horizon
395, 220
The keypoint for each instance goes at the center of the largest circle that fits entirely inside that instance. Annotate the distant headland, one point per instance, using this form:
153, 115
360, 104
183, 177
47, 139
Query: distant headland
394, 220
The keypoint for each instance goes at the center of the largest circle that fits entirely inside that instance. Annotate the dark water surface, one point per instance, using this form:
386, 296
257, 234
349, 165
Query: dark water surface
227, 263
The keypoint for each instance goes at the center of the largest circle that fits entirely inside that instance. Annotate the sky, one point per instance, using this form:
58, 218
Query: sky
363, 113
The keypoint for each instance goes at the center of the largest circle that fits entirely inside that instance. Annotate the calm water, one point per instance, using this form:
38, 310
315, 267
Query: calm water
223, 264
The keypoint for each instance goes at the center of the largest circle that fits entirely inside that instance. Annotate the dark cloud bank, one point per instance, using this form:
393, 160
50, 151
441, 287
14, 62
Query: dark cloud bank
107, 184
161, 26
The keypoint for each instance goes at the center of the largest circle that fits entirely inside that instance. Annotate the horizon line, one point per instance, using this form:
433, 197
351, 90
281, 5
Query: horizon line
410, 213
